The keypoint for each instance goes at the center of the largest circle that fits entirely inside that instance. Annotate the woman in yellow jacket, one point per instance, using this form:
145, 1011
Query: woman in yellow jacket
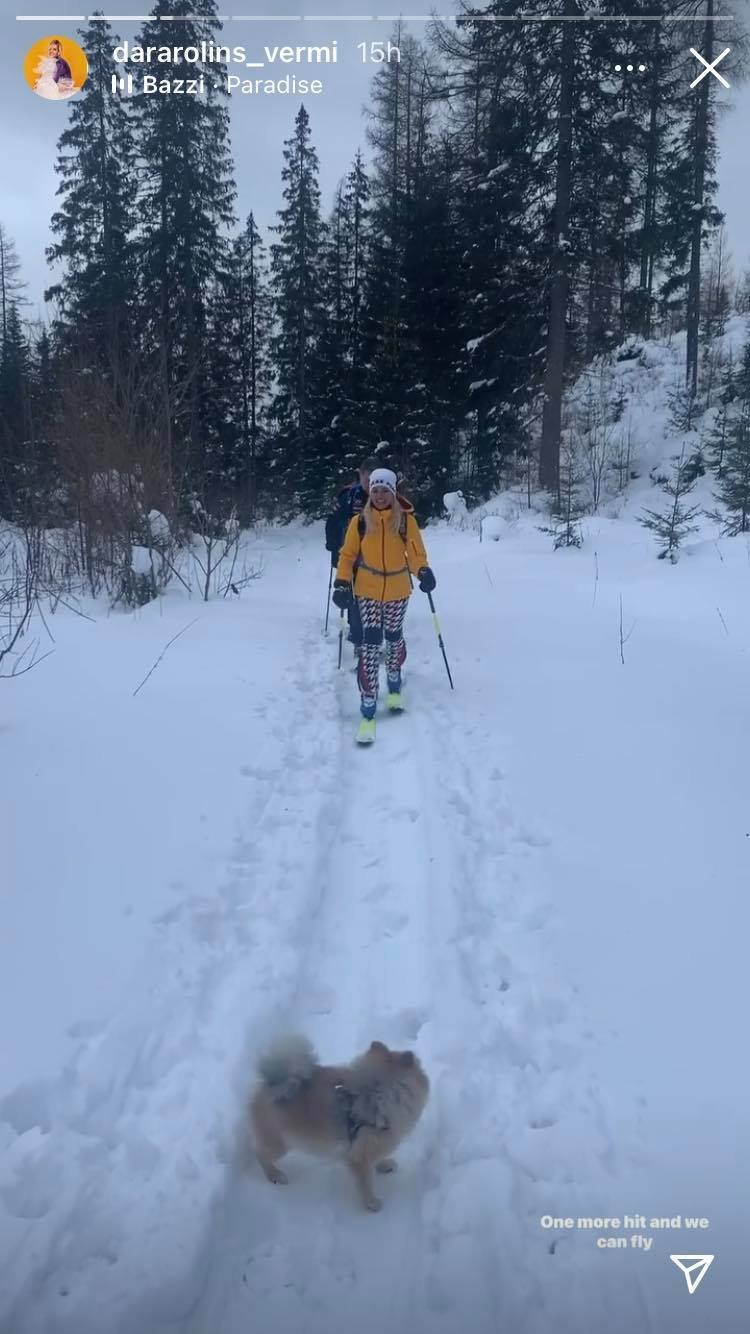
382, 549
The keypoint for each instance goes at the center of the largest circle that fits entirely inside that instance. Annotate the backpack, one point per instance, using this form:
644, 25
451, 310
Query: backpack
336, 523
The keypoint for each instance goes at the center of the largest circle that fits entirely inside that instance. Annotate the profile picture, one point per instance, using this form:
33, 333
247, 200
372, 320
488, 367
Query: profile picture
55, 68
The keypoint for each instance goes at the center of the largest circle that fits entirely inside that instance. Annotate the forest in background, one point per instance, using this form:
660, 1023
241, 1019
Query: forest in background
520, 212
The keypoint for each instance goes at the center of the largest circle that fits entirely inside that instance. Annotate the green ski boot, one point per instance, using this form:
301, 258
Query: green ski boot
366, 733
395, 701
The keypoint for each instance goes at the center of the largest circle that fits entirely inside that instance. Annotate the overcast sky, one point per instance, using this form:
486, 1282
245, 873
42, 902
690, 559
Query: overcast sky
30, 125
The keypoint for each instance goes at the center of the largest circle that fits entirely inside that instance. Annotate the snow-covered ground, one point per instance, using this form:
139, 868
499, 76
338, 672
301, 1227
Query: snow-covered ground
538, 880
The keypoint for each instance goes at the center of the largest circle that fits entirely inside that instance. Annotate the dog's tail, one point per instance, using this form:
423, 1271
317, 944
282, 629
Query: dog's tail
286, 1065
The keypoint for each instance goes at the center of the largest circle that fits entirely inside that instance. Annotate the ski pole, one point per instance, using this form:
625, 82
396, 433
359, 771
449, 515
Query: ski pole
440, 639
341, 635
328, 603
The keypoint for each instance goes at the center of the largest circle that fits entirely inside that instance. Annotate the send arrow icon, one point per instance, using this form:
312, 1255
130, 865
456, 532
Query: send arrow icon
693, 1267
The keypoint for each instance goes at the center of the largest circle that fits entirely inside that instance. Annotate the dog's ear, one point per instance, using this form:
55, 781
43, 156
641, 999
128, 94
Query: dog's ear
379, 1047
407, 1058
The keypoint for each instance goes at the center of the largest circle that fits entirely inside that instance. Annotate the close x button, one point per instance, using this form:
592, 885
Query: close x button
710, 67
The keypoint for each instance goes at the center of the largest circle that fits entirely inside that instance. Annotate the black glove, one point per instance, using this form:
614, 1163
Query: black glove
342, 594
426, 579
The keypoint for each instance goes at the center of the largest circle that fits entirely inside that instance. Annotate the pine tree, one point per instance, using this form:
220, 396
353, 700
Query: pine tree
734, 484
673, 524
43, 468
248, 330
12, 286
399, 131
569, 507
94, 226
344, 438
731, 444
742, 294
499, 242
689, 186
186, 204
15, 416
717, 439
549, 457
684, 417
663, 77
352, 410
703, 146
296, 269
357, 196
715, 308
683, 408
334, 346
237, 375
432, 351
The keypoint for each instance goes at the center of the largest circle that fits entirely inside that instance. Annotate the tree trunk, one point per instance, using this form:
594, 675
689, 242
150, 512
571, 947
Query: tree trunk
649, 202
702, 112
549, 454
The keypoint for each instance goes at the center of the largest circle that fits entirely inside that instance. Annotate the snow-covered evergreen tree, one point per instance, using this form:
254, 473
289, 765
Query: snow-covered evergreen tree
734, 482
298, 295
251, 309
94, 225
732, 452
689, 184
673, 524
15, 412
12, 286
241, 371
186, 200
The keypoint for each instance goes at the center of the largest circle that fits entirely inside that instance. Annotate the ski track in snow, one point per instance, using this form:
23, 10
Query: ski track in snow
397, 904
144, 1101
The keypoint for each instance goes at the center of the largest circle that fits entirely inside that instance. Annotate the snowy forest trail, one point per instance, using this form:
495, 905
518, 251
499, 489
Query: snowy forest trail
419, 893
379, 960
413, 892
379, 893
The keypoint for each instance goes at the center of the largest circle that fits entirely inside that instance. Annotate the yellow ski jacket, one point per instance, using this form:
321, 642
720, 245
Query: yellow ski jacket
379, 563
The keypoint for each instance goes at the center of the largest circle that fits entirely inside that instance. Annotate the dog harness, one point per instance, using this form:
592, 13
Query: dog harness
352, 1120
346, 1110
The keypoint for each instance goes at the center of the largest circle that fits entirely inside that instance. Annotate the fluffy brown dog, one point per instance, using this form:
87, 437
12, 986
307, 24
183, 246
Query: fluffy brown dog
358, 1112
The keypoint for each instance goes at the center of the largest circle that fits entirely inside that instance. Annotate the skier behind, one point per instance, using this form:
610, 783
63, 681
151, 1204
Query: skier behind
382, 548
350, 500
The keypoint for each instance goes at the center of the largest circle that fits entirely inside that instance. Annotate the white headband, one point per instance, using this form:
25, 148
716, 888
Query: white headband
383, 477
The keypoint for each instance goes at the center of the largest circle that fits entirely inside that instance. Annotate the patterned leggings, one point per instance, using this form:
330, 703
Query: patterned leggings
378, 617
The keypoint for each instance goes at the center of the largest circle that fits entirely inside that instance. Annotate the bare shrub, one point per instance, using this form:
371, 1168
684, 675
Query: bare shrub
115, 471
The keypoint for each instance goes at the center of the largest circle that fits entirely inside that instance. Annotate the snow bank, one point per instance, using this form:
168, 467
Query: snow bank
492, 527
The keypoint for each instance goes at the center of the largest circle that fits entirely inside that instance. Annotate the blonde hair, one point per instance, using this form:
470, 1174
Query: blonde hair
398, 514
